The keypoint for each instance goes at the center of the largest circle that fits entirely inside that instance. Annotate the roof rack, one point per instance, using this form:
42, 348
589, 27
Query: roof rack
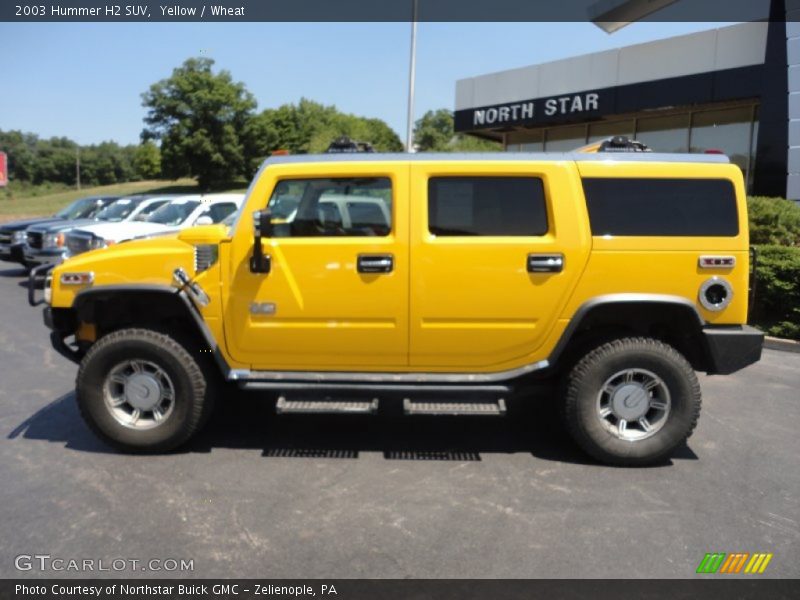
500, 156
344, 145
617, 143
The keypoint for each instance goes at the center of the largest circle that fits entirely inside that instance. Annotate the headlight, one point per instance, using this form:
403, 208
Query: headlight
97, 242
19, 237
53, 240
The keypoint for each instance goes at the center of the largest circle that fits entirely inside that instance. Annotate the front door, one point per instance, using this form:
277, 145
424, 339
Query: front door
336, 297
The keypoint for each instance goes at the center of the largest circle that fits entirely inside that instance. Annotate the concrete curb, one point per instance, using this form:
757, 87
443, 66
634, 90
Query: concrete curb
780, 344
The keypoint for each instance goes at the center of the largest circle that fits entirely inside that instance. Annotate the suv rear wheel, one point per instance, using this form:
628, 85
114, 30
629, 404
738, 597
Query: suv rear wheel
141, 391
631, 401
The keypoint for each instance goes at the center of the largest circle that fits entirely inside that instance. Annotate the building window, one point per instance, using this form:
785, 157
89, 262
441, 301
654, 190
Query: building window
664, 134
565, 139
726, 131
507, 206
753, 149
604, 130
532, 147
527, 141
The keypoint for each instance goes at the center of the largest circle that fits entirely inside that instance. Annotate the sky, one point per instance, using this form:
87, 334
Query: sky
85, 80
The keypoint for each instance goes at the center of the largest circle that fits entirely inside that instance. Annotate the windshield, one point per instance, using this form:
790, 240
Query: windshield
174, 213
143, 214
80, 209
117, 211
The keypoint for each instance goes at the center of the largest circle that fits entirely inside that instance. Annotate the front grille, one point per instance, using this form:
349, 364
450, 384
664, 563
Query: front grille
5, 238
34, 239
77, 243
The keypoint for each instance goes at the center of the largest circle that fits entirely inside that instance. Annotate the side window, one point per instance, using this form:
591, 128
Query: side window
351, 206
661, 207
499, 206
218, 212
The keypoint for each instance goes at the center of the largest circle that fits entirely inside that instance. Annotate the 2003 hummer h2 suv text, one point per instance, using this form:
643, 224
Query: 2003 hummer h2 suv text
442, 284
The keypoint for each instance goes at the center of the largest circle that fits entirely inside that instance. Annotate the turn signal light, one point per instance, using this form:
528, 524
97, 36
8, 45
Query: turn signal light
77, 278
717, 262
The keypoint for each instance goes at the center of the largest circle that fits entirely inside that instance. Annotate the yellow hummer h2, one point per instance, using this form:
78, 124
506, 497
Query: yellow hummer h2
444, 284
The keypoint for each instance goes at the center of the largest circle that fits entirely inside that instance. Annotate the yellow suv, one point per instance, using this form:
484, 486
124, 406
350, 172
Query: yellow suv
442, 284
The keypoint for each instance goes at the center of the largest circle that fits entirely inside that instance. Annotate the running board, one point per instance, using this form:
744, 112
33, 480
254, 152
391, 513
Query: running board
489, 408
308, 407
372, 388
411, 378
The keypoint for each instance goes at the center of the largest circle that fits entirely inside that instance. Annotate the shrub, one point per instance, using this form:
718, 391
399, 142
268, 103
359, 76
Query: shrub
774, 221
777, 303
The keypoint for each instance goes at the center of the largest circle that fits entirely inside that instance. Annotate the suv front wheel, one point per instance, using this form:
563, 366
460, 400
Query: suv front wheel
141, 391
632, 401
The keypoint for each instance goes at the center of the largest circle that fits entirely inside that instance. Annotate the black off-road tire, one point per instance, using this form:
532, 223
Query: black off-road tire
192, 401
584, 382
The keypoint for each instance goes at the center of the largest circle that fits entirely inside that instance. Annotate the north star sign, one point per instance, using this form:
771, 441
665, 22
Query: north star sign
557, 108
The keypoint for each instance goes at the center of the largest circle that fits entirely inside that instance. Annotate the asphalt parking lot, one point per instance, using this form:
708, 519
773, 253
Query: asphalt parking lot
287, 497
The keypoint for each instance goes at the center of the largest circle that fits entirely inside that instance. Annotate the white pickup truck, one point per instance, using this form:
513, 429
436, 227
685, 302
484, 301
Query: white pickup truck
178, 213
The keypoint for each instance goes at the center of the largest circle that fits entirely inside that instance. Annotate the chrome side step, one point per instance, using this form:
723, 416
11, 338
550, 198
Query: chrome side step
370, 377
487, 408
370, 388
321, 406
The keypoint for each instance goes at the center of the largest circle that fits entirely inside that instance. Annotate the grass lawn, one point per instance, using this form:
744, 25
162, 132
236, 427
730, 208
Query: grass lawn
31, 202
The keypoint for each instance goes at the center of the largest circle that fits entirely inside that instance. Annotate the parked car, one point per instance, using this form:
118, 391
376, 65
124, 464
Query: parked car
617, 276
46, 243
13, 235
177, 214
126, 210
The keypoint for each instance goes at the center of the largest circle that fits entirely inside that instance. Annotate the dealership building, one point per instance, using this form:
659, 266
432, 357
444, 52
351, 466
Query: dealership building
725, 90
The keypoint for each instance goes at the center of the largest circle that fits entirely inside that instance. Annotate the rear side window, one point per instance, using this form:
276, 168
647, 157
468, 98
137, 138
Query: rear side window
661, 207
499, 206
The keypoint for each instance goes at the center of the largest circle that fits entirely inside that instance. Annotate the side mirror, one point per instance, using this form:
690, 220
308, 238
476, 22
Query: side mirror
204, 220
262, 227
262, 223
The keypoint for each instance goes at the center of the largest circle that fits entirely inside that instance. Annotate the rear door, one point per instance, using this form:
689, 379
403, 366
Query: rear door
496, 249
336, 297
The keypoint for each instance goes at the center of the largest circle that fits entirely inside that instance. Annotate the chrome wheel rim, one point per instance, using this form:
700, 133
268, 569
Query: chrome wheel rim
139, 394
633, 404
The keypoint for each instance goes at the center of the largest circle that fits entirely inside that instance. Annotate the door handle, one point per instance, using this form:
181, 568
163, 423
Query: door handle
375, 263
545, 263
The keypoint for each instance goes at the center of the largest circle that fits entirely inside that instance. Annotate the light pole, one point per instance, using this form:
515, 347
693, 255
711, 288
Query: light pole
411, 72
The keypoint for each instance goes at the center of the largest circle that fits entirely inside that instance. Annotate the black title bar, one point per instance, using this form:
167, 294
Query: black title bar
752, 588
386, 10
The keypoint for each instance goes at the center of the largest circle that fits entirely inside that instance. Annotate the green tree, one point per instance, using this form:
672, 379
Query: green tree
202, 120
147, 160
774, 221
310, 127
435, 132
